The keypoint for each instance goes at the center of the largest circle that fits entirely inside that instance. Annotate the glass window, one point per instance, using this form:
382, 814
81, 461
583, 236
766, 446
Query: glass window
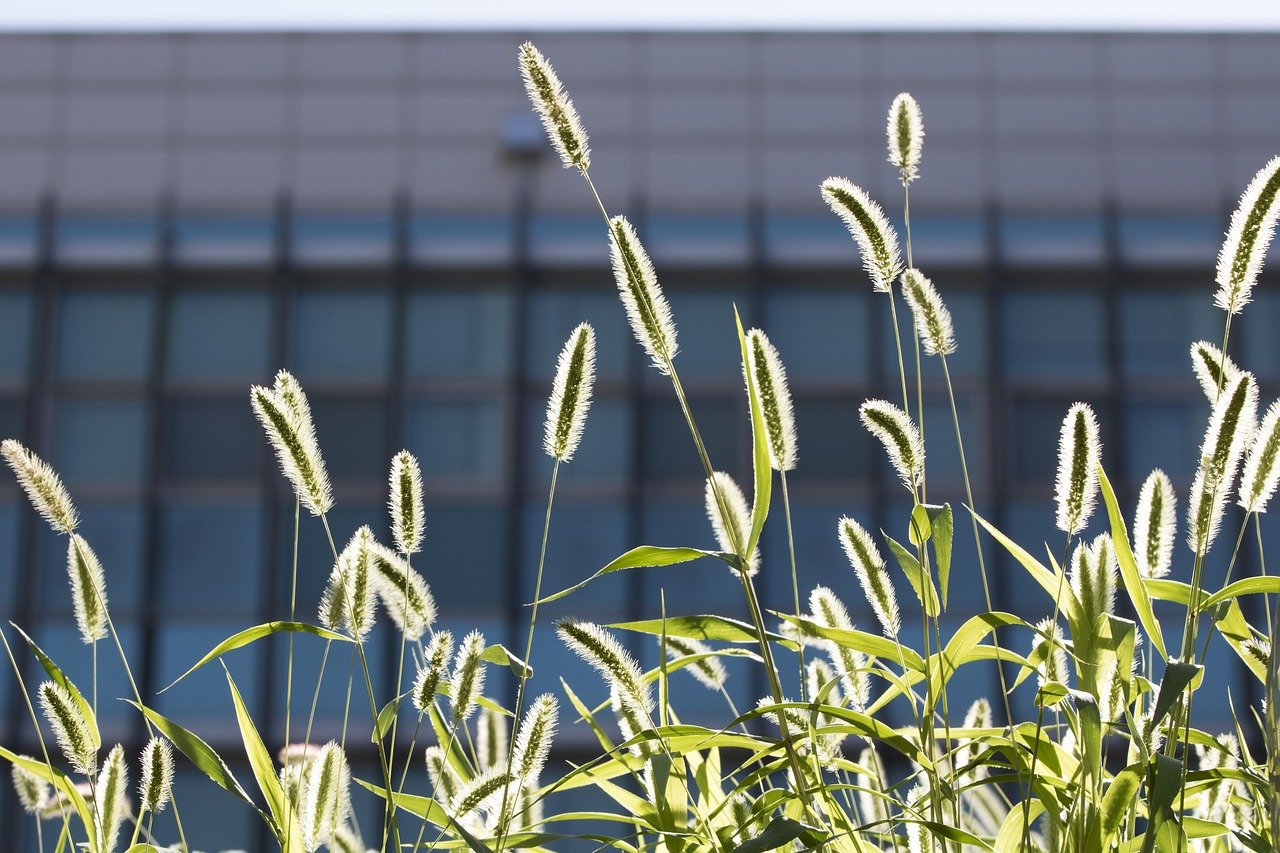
203, 699
568, 238
101, 441
690, 587
807, 239
942, 457
452, 238
1037, 421
212, 439
107, 239
706, 338
820, 558
315, 554
1159, 328
459, 333
1261, 349
583, 539
342, 239
353, 436
18, 240
604, 454
941, 238
116, 533
969, 317
830, 443
219, 335
105, 335
60, 640
10, 515
553, 314
694, 239
221, 821
1170, 239
342, 334
820, 334
467, 546
11, 416
1055, 334
15, 335
210, 558
1163, 433
458, 439
1052, 239
221, 239
667, 447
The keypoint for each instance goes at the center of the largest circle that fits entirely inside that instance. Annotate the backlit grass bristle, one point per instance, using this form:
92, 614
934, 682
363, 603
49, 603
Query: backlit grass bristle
350, 595
906, 136
1261, 471
466, 685
827, 610
1049, 645
873, 575
901, 440
933, 320
482, 792
1213, 369
1230, 428
1253, 224
1079, 453
433, 671
408, 518
43, 486
819, 677
403, 592
33, 792
876, 239
1155, 525
491, 738
534, 738
113, 783
730, 517
775, 400
326, 799
709, 671
866, 778
642, 297
1093, 577
88, 589
156, 786
571, 394
285, 415
444, 779
298, 754
605, 654
70, 728
552, 103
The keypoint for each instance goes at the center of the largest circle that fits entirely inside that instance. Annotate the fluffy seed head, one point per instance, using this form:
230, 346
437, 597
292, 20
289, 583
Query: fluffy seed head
156, 786
605, 654
491, 738
1258, 648
43, 486
70, 728
483, 792
534, 737
467, 684
1230, 429
906, 136
1213, 369
1155, 524
1049, 643
553, 106
819, 676
571, 394
405, 503
444, 781
1093, 577
285, 415
709, 671
298, 754
642, 297
1261, 471
435, 666
827, 610
326, 796
350, 594
730, 516
345, 840
901, 440
872, 574
1245, 248
1079, 452
867, 778
113, 782
88, 589
775, 400
402, 590
870, 228
33, 792
933, 320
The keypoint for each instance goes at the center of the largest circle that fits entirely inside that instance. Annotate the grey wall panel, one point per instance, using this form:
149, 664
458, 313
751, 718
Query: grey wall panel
792, 173
1252, 57
244, 57
1054, 114
694, 176
1168, 60
906, 59
469, 58
373, 57
348, 175
1254, 112
28, 58
444, 112
467, 177
955, 176
207, 115
1180, 177
27, 114
693, 57
109, 115
366, 112
1050, 175
843, 60
249, 176
813, 112
129, 174
111, 58
25, 174
703, 112
1055, 61
1148, 113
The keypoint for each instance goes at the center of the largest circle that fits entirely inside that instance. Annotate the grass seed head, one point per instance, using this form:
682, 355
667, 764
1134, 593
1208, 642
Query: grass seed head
870, 228
156, 786
901, 440
616, 666
534, 738
403, 592
1262, 466
709, 671
826, 609
405, 503
43, 486
873, 575
88, 589
444, 780
70, 728
1049, 643
1213, 369
33, 791
491, 739
467, 684
564, 127
571, 394
285, 415
113, 782
1155, 525
642, 297
1079, 453
730, 517
1253, 224
1230, 428
906, 136
770, 379
326, 796
432, 672
933, 320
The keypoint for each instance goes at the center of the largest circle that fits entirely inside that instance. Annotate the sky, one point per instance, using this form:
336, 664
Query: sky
1220, 15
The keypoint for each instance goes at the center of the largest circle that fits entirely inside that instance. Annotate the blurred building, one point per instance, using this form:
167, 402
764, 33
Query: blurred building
181, 215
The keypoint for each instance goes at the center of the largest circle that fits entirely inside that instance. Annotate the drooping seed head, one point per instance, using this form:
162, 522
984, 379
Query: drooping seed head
444, 781
553, 106
1213, 369
405, 503
534, 738
484, 792
1259, 650
1262, 466
434, 669
933, 320
402, 590
709, 671
1253, 224
632, 721
88, 589
43, 486
870, 228
33, 792
491, 738
1093, 577
70, 728
351, 591
642, 297
770, 379
1079, 453
286, 417
156, 786
346, 840
1230, 429
605, 654
113, 782
1049, 645
571, 394
730, 516
906, 136
467, 684
326, 796
901, 440
826, 609
872, 573
1155, 525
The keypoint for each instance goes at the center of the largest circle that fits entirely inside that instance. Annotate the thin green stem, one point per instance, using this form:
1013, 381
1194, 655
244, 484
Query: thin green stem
795, 583
293, 612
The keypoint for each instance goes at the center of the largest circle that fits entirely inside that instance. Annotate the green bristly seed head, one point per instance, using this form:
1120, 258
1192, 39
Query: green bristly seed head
709, 671
467, 683
533, 740
405, 503
70, 727
33, 791
933, 320
285, 416
906, 136
901, 439
1079, 453
43, 486
110, 794
1230, 428
553, 106
642, 297
156, 786
1261, 471
435, 666
605, 654
571, 394
88, 589
870, 229
775, 400
872, 575
1253, 224
1155, 525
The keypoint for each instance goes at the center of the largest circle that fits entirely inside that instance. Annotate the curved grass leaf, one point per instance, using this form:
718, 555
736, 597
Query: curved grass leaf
644, 557
920, 581
1177, 675
60, 781
1129, 567
759, 447
257, 632
1051, 582
875, 645
705, 626
62, 681
502, 656
780, 832
264, 770
1244, 586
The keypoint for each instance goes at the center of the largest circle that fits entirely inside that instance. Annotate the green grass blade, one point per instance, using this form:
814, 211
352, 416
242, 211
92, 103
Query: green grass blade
1129, 567
61, 680
264, 770
251, 635
759, 448
644, 557
703, 627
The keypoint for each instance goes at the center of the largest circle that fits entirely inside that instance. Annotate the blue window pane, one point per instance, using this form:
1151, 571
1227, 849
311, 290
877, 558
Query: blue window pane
820, 334
819, 556
1054, 334
667, 448
105, 335
315, 554
696, 240
1037, 422
60, 640
15, 335
202, 700
219, 335
1160, 326
1052, 239
459, 333
604, 456
707, 340
569, 239
116, 532
1031, 525
342, 239
465, 239
458, 440
829, 443
1163, 433
210, 558
10, 517
583, 538
475, 537
212, 439
107, 239
807, 239
554, 314
942, 459
969, 317
101, 441
1167, 240
342, 334
223, 240
353, 436
1261, 352
220, 822
18, 240
10, 416
938, 239
690, 587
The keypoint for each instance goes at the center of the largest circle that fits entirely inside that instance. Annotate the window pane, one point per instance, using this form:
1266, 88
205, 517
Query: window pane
1054, 334
458, 439
107, 239
105, 335
216, 335
101, 441
706, 339
459, 333
687, 239
1167, 240
1052, 239
222, 239
15, 335
1160, 326
116, 532
820, 334
474, 537
210, 558
342, 334
582, 539
11, 416
353, 436
1164, 434
342, 239
10, 513
212, 439
604, 456
692, 587
829, 441
1261, 351
1037, 423
667, 447
554, 314
462, 238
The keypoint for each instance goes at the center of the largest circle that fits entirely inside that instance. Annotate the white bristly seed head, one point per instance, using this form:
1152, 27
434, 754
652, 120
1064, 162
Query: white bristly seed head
286, 417
819, 676
571, 394
403, 592
1230, 429
88, 589
298, 754
642, 297
405, 503
1079, 453
616, 666
1049, 643
867, 778
33, 792
730, 516
906, 136
156, 786
432, 672
534, 738
1155, 525
467, 684
113, 783
484, 792
709, 671
870, 228
901, 440
1213, 369
326, 796
444, 781
1093, 577
350, 595
553, 106
43, 486
933, 320
775, 400
1253, 224
828, 611
872, 574
1261, 471
491, 738
70, 728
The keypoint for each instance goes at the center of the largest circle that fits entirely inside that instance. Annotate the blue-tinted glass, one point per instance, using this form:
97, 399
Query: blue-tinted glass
820, 334
1261, 349
807, 239
116, 533
353, 435
569, 238
1067, 239
668, 449
1159, 328
315, 554
15, 335
203, 699
604, 456
1163, 433
1037, 422
462, 238
969, 318
942, 460
319, 238
706, 337
458, 439
342, 334
553, 314
693, 239
219, 335
11, 416
1051, 334
10, 514
829, 442
583, 538
220, 822
105, 335
222, 239
101, 441
107, 239
18, 240
467, 546
1170, 239
212, 439
211, 558
1031, 525
941, 238
703, 586
819, 557
459, 333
